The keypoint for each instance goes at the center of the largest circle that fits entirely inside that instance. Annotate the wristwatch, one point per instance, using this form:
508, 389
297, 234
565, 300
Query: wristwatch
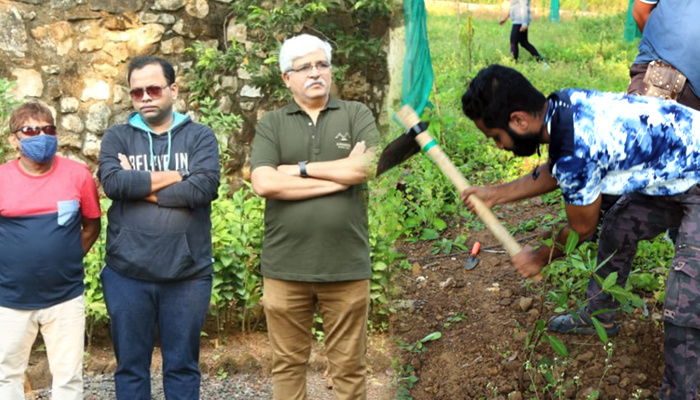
302, 169
184, 173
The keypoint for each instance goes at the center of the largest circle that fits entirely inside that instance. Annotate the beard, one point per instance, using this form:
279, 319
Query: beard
524, 145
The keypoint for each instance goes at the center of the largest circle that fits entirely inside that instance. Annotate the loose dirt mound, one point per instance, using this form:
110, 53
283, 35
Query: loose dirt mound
484, 316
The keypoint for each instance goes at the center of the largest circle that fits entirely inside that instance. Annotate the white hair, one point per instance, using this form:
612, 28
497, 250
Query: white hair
299, 46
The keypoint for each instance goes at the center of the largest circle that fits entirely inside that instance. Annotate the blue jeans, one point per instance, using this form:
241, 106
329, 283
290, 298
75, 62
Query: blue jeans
135, 308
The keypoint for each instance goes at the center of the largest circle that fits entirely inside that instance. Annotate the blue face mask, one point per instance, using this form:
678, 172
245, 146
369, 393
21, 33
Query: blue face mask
40, 149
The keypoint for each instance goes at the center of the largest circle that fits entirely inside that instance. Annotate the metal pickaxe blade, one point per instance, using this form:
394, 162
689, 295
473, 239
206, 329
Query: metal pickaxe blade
399, 150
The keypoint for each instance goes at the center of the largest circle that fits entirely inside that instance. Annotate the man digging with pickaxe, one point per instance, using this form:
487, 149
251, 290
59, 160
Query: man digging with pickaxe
646, 149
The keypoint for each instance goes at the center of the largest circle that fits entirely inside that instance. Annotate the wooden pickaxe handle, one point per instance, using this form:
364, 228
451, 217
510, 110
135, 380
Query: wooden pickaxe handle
409, 119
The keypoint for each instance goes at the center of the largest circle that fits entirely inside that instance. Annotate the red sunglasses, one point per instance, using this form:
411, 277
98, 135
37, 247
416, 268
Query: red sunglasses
154, 92
35, 130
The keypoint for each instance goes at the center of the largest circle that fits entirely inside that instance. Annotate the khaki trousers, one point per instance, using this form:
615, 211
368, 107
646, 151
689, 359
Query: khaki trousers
63, 329
289, 308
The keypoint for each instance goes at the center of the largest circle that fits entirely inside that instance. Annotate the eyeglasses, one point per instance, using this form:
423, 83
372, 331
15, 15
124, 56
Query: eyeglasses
154, 92
322, 67
35, 130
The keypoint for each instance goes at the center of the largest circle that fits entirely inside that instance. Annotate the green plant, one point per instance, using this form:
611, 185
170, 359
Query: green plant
356, 48
419, 346
205, 79
7, 104
93, 262
223, 125
501, 353
454, 319
446, 245
237, 233
494, 390
317, 328
386, 224
404, 379
222, 374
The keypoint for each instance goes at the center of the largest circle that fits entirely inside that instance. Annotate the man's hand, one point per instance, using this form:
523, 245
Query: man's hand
503, 21
523, 28
527, 263
484, 194
359, 149
124, 161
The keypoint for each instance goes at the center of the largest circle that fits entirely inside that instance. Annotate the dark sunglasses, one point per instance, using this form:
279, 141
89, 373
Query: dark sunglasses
154, 92
35, 130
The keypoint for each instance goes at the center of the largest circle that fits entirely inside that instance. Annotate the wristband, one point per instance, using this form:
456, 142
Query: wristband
302, 169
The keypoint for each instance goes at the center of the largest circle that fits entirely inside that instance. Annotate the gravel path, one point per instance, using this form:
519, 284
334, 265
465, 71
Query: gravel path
241, 386
244, 387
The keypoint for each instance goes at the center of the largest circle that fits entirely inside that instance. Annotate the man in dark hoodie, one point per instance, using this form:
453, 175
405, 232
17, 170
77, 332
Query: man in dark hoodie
162, 172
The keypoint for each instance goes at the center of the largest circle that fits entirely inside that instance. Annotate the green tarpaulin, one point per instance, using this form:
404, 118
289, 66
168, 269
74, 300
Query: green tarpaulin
417, 68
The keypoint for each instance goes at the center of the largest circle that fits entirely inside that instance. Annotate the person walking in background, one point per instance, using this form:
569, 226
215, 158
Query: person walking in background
310, 160
49, 219
520, 14
161, 170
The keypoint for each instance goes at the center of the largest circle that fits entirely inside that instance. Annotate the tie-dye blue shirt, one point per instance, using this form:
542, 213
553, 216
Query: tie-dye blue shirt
616, 144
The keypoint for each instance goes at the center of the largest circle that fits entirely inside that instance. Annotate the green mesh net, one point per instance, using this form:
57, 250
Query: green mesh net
417, 68
554, 11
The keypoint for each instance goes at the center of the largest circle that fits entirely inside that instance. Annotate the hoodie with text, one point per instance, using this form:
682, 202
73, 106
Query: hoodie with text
171, 240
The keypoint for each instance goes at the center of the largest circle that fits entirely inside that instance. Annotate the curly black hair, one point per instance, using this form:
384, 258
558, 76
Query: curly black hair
496, 92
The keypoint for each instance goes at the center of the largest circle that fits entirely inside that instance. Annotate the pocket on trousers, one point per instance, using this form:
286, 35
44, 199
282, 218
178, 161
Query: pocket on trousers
682, 302
67, 210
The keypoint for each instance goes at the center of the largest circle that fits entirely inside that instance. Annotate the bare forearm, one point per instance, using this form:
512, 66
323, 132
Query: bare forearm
89, 233
583, 222
545, 252
271, 184
526, 187
346, 171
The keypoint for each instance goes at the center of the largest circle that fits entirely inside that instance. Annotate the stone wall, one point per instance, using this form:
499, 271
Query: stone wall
73, 55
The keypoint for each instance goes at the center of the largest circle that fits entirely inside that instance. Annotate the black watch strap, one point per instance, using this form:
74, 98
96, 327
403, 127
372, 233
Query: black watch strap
302, 169
183, 173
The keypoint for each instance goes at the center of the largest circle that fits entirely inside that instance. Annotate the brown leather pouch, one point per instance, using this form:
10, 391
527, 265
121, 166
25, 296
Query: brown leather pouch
663, 80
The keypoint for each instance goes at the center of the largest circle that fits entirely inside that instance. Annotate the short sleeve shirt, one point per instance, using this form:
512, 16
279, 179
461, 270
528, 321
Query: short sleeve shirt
41, 254
616, 144
321, 239
671, 34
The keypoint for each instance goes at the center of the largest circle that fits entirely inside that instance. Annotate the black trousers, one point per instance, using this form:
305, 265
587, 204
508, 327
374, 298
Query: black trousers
517, 37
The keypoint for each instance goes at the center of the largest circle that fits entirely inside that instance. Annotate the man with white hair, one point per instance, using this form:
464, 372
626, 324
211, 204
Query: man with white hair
310, 161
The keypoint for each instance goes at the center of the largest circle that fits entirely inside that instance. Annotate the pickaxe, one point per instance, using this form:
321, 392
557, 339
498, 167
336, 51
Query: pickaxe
416, 138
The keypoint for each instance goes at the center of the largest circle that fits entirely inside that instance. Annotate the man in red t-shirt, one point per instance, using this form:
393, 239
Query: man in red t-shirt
49, 219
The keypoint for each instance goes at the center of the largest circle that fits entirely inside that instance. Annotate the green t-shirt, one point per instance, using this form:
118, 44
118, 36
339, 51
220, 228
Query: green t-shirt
322, 239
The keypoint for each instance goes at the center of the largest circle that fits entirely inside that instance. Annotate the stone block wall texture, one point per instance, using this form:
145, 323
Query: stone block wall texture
73, 55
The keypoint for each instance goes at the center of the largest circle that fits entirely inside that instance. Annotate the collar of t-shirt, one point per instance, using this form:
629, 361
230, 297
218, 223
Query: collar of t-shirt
560, 127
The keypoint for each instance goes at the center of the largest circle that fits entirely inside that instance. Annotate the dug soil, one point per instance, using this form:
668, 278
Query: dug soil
485, 315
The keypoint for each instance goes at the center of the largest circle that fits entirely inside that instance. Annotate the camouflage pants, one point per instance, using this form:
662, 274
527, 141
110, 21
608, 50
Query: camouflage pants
682, 372
638, 217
